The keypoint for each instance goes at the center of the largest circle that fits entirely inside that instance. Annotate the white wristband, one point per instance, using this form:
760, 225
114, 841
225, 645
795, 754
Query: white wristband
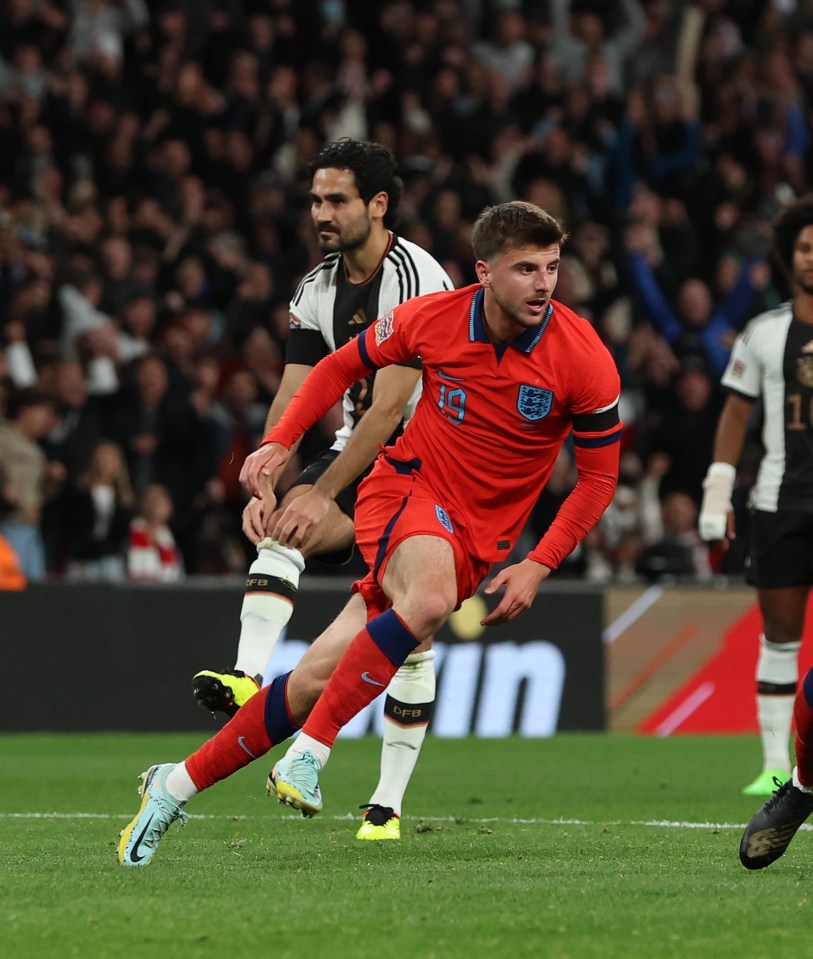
723, 474
717, 489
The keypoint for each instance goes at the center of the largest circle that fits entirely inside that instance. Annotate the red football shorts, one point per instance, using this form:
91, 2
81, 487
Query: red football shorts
395, 503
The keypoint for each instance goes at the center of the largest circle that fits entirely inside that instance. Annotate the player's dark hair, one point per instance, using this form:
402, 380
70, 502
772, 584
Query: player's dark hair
372, 165
787, 227
513, 224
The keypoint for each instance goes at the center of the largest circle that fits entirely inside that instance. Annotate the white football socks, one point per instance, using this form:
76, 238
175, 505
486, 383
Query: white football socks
797, 783
266, 612
179, 783
307, 744
777, 666
412, 685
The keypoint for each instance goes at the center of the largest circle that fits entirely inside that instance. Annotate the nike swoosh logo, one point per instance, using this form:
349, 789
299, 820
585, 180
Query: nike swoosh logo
369, 679
454, 379
134, 854
241, 742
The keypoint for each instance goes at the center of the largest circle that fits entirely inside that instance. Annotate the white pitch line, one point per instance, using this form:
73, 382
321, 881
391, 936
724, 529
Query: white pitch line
461, 820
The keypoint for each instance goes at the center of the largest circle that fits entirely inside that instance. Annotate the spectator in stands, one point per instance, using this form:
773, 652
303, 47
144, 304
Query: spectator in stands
159, 148
262, 356
76, 431
672, 242
163, 438
28, 479
656, 49
17, 355
98, 28
509, 54
589, 261
252, 302
40, 24
151, 553
697, 329
29, 323
88, 334
11, 574
77, 426
620, 536
681, 553
579, 29
685, 433
118, 284
98, 510
138, 319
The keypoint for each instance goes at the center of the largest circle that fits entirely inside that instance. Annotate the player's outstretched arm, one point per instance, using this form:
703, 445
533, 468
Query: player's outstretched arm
293, 377
321, 389
393, 388
597, 468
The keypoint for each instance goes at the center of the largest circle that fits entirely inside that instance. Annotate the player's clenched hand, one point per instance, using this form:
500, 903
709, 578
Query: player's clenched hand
253, 525
520, 583
294, 525
717, 527
263, 462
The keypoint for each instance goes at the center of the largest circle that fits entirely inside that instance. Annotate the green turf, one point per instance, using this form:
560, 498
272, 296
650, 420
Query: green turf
483, 868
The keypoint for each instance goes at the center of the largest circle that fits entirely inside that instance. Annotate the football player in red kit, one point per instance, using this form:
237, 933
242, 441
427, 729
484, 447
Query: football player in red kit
773, 826
508, 375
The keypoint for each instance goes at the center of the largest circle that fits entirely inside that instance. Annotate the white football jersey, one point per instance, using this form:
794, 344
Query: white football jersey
773, 359
328, 311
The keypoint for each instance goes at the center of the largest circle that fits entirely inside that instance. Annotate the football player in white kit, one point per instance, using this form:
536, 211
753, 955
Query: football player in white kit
367, 271
772, 360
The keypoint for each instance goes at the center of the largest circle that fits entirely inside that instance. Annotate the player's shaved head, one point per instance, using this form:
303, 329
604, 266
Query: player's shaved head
514, 224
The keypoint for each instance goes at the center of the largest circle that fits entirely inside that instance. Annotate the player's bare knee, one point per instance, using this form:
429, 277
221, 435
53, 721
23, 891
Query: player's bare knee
426, 616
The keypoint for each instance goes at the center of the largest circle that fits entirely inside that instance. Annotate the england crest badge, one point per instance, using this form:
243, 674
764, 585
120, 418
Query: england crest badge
533, 402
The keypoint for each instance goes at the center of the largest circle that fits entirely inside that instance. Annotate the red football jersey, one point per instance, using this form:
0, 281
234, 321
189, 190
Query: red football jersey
491, 419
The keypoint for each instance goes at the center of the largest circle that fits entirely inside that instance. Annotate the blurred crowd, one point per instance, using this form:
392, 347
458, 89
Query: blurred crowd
154, 224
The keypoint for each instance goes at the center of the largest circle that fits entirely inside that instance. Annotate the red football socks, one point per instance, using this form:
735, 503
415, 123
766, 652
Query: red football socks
803, 717
243, 739
363, 672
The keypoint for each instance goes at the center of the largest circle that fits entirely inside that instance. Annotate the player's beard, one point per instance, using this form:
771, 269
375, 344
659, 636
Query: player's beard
352, 237
805, 287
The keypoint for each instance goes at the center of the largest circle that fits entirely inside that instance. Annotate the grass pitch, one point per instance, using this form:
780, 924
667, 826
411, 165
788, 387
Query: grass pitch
577, 847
